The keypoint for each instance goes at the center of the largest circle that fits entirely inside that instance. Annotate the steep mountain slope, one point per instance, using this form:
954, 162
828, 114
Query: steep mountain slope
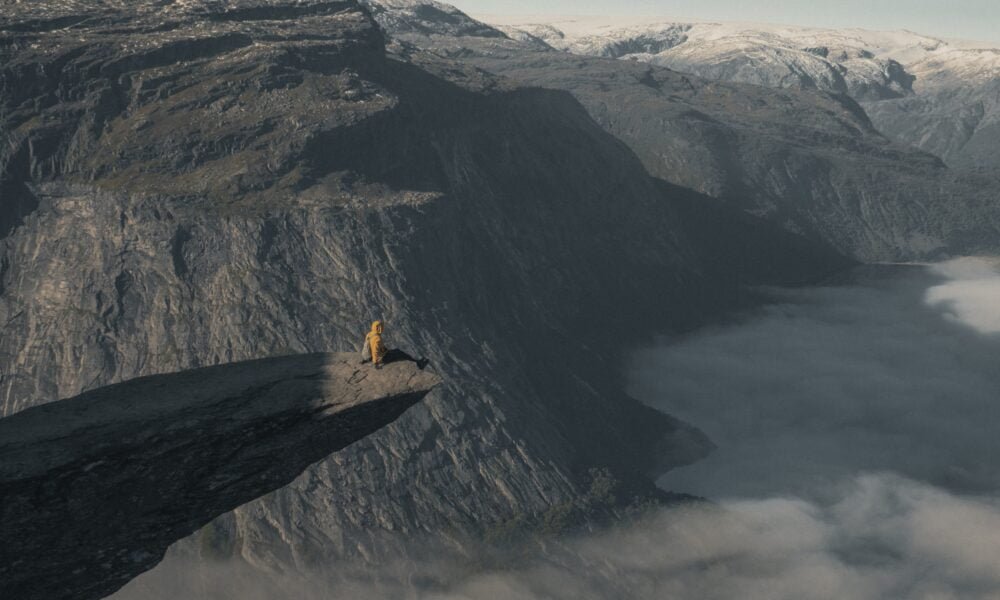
813, 163
955, 113
231, 180
178, 450
937, 95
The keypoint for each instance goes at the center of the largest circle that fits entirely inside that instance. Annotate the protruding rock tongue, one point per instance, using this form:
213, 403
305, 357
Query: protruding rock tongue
94, 489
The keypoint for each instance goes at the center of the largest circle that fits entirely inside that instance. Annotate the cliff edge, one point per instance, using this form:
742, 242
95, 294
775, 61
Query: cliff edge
94, 489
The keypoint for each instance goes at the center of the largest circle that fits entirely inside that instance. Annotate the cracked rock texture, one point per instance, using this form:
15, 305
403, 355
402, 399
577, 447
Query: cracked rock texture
93, 489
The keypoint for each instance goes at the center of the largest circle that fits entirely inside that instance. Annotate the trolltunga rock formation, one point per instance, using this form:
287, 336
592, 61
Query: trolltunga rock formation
94, 489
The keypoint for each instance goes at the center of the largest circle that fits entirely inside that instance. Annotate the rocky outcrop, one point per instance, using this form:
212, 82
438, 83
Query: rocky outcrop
93, 489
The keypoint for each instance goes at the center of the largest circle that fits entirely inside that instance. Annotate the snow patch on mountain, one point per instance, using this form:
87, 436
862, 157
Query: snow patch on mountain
870, 65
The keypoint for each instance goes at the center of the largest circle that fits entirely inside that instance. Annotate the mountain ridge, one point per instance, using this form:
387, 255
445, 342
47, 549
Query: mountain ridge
920, 90
186, 198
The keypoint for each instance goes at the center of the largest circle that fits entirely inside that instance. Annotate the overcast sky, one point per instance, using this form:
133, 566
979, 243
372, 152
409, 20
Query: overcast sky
967, 19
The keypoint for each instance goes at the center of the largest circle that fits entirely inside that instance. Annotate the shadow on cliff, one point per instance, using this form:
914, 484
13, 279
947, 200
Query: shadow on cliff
404, 147
414, 145
16, 203
500, 157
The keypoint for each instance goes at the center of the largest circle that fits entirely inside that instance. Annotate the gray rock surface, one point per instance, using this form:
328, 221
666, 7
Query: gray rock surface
93, 489
207, 182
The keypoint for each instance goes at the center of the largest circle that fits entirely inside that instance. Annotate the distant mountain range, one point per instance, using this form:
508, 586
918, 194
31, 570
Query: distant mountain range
208, 182
941, 96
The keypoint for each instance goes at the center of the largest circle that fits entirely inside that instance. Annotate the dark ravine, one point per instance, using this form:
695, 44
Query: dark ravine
189, 199
93, 489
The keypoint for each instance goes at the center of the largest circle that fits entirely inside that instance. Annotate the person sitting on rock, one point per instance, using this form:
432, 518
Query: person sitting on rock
375, 350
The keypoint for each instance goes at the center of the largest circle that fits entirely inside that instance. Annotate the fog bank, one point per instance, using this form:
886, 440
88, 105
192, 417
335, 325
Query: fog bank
881, 537
896, 371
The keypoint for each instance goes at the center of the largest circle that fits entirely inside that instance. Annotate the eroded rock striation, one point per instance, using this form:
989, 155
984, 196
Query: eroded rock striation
93, 489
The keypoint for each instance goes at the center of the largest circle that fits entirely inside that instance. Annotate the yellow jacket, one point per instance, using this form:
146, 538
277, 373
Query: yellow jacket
373, 344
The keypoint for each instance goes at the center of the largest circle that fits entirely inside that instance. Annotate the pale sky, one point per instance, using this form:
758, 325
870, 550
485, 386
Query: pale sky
966, 19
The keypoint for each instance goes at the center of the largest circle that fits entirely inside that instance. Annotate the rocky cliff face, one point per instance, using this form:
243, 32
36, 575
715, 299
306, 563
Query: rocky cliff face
811, 163
219, 181
94, 489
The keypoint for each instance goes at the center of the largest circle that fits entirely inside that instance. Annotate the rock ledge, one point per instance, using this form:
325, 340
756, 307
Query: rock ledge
94, 489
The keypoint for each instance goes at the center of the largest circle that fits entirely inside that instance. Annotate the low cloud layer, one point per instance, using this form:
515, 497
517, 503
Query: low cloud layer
894, 372
857, 430
881, 537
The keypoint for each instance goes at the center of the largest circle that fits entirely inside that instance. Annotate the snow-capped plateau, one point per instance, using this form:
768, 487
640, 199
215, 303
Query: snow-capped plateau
790, 54
940, 95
